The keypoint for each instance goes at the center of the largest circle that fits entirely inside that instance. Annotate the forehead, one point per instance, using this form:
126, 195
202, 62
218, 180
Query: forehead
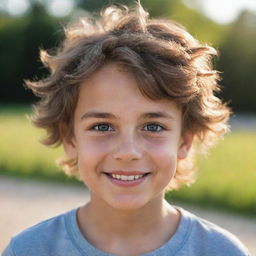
112, 77
112, 88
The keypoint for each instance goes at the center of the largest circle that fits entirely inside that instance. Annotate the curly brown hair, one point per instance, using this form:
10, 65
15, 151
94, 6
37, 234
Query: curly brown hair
166, 61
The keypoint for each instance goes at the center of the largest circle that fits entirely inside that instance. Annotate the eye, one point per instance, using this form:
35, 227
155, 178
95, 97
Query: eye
154, 128
102, 127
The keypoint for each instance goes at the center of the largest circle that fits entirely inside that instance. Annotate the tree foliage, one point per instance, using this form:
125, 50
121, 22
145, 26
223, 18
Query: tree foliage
238, 63
20, 39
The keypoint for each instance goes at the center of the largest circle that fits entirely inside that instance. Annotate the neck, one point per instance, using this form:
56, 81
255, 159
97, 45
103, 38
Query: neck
101, 224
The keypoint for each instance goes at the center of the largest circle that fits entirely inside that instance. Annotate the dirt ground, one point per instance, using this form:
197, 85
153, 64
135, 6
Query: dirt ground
24, 203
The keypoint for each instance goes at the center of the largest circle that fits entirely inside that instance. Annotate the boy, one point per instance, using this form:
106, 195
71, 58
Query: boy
128, 97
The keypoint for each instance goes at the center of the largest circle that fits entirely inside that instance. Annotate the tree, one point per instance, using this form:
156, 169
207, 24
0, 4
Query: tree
19, 48
238, 62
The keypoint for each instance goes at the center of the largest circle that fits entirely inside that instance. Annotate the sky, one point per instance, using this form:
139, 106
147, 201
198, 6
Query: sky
221, 11
225, 11
55, 7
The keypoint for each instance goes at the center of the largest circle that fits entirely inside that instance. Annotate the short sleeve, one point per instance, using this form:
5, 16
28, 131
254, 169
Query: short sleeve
8, 251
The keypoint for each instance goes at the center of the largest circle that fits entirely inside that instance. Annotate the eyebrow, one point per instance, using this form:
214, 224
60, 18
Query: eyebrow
106, 115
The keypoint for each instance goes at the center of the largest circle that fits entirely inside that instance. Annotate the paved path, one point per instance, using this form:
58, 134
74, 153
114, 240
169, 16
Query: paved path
24, 203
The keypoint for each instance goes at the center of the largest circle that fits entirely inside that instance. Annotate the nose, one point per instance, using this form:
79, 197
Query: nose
127, 148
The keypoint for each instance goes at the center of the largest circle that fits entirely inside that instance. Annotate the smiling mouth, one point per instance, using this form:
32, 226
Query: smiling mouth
126, 178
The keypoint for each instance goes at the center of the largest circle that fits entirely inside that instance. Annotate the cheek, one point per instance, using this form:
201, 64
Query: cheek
164, 154
90, 156
165, 162
92, 147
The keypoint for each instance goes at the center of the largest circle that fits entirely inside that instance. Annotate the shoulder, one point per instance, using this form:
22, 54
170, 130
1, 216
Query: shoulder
40, 238
211, 239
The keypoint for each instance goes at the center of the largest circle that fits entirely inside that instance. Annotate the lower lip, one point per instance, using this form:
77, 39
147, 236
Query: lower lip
128, 183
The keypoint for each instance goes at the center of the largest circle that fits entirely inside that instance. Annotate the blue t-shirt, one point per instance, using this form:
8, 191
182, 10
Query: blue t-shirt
60, 236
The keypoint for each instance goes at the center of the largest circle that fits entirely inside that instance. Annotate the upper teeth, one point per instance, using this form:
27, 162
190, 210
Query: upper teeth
125, 177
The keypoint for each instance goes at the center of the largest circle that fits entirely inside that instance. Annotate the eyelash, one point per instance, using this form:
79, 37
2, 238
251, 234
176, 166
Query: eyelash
106, 124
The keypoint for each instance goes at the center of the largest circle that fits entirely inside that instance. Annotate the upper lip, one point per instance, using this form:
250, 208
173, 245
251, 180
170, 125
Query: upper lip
128, 173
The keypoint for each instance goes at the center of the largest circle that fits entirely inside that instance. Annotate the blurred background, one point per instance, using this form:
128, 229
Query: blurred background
227, 177
230, 26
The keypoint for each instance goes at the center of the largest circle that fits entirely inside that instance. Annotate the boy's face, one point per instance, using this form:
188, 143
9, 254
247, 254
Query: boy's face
120, 134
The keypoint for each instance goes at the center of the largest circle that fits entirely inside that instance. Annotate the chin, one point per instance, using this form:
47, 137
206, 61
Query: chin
127, 203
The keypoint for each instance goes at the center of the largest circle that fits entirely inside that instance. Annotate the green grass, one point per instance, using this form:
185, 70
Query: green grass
226, 178
21, 153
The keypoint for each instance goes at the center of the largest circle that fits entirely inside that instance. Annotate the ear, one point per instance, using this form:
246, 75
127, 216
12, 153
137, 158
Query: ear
185, 144
69, 143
